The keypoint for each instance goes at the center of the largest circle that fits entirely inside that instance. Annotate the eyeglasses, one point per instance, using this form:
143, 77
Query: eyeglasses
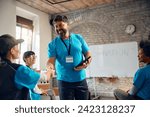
32, 56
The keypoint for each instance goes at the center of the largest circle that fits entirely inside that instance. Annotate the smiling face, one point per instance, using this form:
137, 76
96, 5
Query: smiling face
142, 57
62, 29
30, 61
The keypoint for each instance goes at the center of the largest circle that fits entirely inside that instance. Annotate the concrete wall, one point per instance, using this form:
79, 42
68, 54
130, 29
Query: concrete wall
44, 32
8, 17
8, 24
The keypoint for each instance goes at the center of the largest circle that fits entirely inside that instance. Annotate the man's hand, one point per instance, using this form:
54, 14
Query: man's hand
81, 67
44, 92
84, 65
50, 71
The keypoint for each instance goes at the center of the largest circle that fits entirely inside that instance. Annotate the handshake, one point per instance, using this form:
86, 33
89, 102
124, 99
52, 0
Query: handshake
50, 70
48, 73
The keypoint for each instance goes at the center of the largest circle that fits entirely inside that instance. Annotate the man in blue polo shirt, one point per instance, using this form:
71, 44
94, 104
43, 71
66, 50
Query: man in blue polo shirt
65, 52
141, 82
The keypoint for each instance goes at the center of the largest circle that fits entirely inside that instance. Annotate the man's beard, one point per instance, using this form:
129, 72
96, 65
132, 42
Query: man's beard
62, 32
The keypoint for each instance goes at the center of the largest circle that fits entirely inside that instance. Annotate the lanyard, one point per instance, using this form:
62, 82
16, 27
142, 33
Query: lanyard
68, 49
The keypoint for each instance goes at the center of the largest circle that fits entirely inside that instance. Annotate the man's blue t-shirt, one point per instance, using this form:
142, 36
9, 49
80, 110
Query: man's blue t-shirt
78, 47
142, 82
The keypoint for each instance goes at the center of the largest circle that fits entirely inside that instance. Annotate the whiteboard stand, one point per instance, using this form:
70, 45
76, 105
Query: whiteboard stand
95, 89
94, 86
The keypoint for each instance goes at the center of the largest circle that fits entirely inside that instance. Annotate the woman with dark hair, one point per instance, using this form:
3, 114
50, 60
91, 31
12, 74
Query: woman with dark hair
141, 82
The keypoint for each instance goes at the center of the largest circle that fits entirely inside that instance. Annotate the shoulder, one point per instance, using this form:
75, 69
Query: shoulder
22, 69
145, 69
142, 71
53, 42
15, 66
79, 36
26, 77
26, 72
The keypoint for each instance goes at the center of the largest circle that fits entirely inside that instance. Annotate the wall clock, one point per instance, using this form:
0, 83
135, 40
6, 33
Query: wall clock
130, 29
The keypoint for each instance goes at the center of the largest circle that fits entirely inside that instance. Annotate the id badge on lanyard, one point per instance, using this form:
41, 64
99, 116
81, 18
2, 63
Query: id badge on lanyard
69, 59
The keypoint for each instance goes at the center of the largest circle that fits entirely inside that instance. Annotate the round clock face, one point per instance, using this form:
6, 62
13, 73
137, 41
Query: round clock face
130, 29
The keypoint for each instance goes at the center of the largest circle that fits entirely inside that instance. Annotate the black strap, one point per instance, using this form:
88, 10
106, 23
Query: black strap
68, 49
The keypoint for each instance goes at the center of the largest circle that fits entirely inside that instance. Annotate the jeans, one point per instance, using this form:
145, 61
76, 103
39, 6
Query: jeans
122, 95
73, 90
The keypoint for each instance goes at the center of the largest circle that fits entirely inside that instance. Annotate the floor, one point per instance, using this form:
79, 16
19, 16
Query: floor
107, 98
94, 98
102, 98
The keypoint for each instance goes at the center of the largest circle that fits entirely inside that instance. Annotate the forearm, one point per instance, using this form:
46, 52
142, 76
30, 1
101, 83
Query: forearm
87, 54
46, 75
51, 61
43, 76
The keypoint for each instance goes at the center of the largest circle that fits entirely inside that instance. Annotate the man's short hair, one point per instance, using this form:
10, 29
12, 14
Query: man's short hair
58, 18
145, 45
27, 54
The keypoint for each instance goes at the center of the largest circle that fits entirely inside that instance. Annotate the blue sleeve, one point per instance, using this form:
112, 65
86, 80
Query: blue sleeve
34, 96
51, 49
26, 77
139, 78
85, 47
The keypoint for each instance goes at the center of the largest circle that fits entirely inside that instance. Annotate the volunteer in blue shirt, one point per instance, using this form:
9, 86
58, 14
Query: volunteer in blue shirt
15, 79
65, 52
141, 82
35, 94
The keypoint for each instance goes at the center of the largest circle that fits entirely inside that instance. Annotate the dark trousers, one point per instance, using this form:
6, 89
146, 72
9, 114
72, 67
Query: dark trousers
122, 95
73, 90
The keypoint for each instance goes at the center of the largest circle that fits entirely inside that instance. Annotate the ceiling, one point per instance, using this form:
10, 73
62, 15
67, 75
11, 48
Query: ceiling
60, 6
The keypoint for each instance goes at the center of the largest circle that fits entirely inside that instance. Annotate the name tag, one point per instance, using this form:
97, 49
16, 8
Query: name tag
69, 59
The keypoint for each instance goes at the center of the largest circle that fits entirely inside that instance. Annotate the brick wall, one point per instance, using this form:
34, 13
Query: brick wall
105, 86
106, 24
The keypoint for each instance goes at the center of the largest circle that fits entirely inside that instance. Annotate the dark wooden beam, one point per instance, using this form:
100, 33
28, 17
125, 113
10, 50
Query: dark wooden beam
53, 2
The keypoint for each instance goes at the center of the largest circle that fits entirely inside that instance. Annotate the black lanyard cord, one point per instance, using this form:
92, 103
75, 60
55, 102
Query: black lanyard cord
68, 50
